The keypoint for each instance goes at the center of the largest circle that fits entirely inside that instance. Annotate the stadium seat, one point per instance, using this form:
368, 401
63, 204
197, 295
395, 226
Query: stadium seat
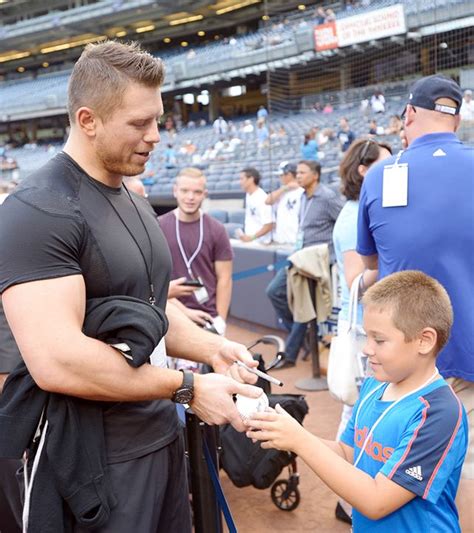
237, 217
218, 214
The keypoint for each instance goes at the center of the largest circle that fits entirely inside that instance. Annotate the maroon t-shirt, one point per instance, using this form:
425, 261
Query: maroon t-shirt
215, 247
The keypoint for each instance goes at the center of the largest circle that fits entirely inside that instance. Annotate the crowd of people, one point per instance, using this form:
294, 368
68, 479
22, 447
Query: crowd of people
106, 346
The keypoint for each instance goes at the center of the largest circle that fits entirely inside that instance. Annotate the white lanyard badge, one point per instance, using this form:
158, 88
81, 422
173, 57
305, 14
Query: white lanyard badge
189, 262
395, 184
391, 406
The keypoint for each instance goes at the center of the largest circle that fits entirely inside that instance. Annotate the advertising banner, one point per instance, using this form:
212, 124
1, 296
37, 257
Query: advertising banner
361, 28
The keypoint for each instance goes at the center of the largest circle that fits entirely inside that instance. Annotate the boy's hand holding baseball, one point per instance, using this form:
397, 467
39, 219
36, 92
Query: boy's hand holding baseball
276, 429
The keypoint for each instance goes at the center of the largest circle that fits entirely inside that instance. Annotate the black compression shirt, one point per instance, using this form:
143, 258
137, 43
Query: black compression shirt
58, 223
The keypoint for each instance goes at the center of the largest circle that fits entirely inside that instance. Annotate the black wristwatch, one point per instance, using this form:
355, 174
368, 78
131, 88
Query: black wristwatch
185, 393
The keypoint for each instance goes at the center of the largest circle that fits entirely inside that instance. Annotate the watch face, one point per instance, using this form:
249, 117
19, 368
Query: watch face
183, 395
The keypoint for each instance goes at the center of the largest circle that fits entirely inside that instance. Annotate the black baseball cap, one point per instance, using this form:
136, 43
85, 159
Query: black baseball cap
426, 91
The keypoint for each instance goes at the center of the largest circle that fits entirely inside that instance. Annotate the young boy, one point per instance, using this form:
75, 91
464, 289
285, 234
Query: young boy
401, 455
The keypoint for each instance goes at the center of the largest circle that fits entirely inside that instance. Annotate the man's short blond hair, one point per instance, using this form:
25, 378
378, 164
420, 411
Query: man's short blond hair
190, 172
416, 301
103, 72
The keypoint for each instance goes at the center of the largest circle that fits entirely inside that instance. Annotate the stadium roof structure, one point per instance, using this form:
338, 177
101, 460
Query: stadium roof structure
34, 31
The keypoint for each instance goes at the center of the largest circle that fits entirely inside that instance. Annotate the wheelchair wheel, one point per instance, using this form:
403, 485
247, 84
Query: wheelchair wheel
284, 496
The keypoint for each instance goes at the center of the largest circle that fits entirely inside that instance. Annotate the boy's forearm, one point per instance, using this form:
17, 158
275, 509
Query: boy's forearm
327, 460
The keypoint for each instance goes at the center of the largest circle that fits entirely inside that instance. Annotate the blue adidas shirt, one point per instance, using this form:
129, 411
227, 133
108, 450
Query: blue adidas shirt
420, 444
434, 233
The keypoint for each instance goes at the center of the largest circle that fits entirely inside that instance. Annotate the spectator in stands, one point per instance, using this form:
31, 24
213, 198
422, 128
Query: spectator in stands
330, 16
188, 148
200, 249
258, 216
362, 154
426, 224
374, 129
466, 129
319, 209
247, 130
169, 156
263, 135
135, 184
170, 126
328, 108
282, 134
467, 107
345, 135
395, 126
220, 126
262, 113
286, 205
70, 232
309, 148
320, 15
377, 102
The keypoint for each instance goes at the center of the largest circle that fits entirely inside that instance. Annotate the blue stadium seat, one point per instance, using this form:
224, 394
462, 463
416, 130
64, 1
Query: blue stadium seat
237, 217
231, 228
218, 214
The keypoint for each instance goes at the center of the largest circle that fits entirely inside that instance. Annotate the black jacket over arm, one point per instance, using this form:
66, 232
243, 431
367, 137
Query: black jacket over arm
71, 482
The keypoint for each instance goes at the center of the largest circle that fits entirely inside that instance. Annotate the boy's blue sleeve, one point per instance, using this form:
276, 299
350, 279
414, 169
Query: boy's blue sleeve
432, 447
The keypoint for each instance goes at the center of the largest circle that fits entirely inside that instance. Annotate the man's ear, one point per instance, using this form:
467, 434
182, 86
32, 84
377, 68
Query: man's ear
409, 115
427, 340
86, 119
457, 122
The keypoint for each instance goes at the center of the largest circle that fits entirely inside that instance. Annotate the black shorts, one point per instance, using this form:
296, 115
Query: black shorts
152, 494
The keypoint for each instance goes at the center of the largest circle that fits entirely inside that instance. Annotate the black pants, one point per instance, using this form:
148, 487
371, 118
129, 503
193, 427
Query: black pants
152, 493
10, 502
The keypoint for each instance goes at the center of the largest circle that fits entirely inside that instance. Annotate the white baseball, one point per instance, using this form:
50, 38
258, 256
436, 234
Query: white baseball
248, 406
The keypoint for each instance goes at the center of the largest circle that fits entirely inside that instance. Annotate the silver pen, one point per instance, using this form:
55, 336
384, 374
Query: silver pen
260, 374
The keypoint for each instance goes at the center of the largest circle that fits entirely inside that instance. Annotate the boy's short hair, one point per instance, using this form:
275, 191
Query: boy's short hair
417, 301
105, 70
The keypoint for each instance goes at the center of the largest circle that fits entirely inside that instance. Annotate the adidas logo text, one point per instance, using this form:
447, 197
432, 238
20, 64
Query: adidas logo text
415, 471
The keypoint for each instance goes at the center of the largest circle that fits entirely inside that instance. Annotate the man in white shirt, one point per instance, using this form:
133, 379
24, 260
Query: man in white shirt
286, 205
220, 126
466, 129
258, 215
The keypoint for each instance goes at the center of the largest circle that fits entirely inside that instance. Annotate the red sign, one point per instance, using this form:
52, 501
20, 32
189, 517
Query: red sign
325, 36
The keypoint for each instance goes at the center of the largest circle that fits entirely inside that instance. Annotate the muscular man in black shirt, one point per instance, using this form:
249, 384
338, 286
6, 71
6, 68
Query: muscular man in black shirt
71, 232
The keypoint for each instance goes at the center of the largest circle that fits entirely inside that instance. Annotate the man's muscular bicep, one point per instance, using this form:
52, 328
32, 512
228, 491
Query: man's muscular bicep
45, 317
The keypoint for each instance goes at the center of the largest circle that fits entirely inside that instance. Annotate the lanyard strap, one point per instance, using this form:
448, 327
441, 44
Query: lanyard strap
148, 268
391, 406
398, 158
218, 488
189, 262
